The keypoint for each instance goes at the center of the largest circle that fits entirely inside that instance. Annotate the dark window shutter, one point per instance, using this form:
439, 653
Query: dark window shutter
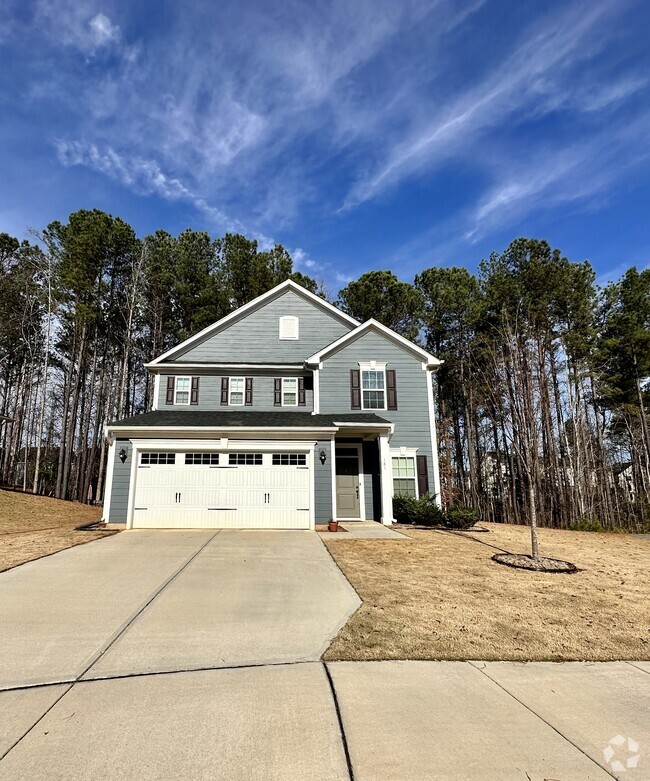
171, 382
423, 475
194, 395
355, 388
391, 384
224, 391
301, 392
248, 396
277, 392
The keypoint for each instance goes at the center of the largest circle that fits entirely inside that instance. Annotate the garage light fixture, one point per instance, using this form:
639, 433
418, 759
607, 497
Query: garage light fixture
323, 456
122, 455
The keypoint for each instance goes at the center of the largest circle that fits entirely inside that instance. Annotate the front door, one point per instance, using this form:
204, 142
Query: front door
347, 483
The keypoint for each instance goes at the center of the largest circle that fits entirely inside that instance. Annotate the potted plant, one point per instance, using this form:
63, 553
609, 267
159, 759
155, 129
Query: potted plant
333, 525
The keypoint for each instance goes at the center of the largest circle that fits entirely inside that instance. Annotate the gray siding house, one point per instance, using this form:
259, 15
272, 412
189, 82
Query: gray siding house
285, 414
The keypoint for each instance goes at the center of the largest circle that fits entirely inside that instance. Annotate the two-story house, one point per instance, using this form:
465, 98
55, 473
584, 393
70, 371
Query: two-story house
282, 415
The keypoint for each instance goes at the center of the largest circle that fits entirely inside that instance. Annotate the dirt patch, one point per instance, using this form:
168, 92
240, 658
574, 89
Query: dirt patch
35, 526
442, 597
541, 564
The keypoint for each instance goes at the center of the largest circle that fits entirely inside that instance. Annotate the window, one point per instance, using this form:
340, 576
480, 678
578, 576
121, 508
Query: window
149, 459
404, 479
289, 327
202, 459
245, 459
290, 392
236, 392
373, 389
289, 459
182, 390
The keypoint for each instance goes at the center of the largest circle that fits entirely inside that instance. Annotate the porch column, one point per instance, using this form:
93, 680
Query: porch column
386, 480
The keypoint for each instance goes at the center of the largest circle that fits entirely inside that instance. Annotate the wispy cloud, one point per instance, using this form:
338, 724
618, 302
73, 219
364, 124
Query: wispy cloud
508, 94
142, 176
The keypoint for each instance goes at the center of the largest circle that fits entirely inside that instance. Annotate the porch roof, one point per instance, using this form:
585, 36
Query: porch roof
188, 419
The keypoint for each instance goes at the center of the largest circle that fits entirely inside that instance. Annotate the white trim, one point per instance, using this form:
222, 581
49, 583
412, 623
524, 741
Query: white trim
362, 486
189, 390
234, 445
132, 478
316, 375
405, 452
139, 430
390, 427
386, 481
333, 470
381, 329
312, 488
289, 322
435, 467
243, 391
282, 391
156, 391
242, 310
108, 482
160, 367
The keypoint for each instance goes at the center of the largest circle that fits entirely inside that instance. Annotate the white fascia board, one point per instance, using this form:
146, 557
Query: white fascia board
256, 302
380, 426
374, 325
161, 367
266, 445
140, 431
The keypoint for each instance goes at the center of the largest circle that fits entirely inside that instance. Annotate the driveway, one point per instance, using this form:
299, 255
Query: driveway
161, 655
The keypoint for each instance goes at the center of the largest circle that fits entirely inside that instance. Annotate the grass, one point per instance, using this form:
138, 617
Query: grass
35, 526
440, 596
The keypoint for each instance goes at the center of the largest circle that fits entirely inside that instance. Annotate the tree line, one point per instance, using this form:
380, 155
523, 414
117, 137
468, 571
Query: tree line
541, 400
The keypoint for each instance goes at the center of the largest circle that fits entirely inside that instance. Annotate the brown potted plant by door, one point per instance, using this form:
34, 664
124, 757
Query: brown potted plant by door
333, 525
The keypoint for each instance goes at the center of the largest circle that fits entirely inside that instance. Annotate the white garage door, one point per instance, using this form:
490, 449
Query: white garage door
222, 490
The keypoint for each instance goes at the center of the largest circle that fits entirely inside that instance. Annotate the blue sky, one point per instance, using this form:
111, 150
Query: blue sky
359, 134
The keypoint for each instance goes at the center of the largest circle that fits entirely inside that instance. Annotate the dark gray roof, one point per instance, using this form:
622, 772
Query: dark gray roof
217, 418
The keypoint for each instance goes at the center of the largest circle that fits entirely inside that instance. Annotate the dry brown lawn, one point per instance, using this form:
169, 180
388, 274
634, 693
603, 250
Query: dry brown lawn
36, 526
440, 596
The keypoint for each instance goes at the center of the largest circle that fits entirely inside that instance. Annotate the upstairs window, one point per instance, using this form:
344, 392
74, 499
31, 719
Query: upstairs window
373, 388
290, 392
289, 327
182, 390
236, 391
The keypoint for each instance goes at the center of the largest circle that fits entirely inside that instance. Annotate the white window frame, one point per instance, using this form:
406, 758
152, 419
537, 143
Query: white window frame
289, 379
373, 366
404, 452
288, 322
189, 391
243, 392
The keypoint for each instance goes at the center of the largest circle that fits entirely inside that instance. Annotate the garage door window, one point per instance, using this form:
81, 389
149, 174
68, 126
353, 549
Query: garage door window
160, 459
202, 459
289, 459
245, 459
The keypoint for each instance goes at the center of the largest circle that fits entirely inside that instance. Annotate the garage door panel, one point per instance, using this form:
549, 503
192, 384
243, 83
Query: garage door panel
194, 495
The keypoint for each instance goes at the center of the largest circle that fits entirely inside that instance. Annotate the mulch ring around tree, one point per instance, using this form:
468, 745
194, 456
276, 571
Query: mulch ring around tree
523, 561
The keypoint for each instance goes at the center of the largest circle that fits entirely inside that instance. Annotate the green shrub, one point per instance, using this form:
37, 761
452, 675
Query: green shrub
422, 512
429, 514
586, 525
405, 509
459, 517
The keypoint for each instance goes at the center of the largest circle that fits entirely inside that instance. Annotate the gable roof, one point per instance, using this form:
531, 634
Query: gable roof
251, 306
376, 327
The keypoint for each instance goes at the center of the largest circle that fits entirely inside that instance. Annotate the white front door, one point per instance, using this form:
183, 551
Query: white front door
252, 490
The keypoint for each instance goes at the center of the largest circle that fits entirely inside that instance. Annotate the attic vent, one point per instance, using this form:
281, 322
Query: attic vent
289, 326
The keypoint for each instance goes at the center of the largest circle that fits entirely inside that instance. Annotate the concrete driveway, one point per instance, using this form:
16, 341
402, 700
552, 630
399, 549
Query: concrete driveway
163, 655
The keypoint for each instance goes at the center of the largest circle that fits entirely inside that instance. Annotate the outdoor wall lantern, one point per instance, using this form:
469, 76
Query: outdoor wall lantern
323, 456
122, 455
